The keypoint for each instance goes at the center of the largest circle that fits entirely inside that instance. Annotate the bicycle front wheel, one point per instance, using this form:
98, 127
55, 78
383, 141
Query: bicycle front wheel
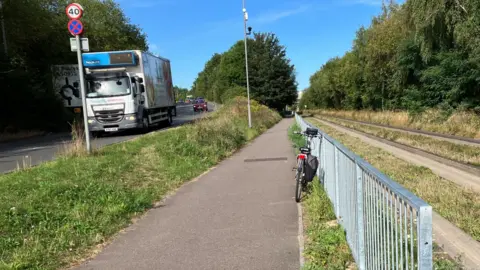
299, 178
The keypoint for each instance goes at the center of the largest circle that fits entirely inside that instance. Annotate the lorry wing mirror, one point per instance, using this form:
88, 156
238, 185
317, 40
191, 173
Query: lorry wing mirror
142, 88
140, 80
75, 84
133, 80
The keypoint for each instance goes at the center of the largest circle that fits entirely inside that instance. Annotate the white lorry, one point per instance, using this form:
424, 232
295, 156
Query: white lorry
124, 90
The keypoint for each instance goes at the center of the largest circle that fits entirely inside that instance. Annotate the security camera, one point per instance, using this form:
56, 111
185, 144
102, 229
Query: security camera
249, 29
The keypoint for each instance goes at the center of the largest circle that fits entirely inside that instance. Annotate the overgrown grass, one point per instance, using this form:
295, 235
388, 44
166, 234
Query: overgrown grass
463, 153
325, 244
56, 213
76, 147
458, 205
466, 124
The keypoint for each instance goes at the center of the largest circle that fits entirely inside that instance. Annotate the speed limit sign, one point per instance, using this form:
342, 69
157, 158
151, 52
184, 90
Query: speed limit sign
74, 11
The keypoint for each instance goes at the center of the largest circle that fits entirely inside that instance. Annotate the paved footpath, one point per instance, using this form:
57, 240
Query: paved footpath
240, 215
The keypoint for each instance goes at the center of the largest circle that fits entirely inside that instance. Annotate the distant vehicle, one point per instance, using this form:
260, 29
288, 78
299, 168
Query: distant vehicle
189, 100
128, 90
200, 105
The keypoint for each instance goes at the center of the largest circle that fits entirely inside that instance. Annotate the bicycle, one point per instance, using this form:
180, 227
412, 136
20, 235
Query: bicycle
305, 151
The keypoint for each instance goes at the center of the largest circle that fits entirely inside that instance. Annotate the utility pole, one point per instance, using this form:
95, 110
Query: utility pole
5, 47
245, 19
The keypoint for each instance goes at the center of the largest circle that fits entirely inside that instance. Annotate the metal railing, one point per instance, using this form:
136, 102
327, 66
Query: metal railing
387, 227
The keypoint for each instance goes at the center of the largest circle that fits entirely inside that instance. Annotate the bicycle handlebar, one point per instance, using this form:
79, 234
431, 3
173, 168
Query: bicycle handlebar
307, 135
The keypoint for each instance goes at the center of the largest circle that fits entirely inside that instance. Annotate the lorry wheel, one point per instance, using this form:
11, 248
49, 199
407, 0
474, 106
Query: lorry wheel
170, 119
145, 126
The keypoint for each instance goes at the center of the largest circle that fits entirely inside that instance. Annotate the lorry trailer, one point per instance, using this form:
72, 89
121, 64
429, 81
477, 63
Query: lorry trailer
128, 90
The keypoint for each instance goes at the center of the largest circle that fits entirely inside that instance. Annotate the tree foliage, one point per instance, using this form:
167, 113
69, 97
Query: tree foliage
271, 76
181, 93
37, 38
418, 55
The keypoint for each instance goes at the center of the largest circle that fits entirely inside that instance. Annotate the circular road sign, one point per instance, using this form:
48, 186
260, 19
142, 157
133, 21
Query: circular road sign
75, 27
74, 11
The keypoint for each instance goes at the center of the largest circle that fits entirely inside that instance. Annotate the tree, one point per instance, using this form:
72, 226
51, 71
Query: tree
37, 39
272, 77
273, 81
418, 55
180, 93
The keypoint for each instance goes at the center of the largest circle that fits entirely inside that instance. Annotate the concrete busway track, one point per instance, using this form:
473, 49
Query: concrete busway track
435, 135
470, 174
452, 239
37, 150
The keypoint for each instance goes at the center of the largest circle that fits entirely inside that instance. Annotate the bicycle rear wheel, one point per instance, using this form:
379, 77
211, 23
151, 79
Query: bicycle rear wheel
298, 179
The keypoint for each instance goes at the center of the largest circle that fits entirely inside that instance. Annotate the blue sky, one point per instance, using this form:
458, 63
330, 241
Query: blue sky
189, 32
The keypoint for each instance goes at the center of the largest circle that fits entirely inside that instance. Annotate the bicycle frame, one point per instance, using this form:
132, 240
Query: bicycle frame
303, 155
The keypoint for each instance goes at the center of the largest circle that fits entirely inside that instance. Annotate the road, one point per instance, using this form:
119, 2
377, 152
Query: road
36, 150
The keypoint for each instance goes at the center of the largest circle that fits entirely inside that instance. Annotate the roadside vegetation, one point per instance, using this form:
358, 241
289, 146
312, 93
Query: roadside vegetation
37, 39
464, 124
463, 153
458, 205
57, 213
415, 65
325, 242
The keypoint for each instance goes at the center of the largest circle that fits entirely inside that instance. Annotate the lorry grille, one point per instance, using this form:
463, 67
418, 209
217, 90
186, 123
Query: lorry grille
112, 116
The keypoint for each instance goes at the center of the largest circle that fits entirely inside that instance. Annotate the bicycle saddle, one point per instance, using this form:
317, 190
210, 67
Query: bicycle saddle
305, 150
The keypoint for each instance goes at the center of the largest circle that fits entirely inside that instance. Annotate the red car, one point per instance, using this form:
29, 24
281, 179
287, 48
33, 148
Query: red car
200, 105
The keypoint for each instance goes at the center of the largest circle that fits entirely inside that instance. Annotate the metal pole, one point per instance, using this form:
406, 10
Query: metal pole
82, 88
246, 64
3, 30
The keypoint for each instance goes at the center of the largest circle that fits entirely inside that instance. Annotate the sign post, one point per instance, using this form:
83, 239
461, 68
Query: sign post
75, 12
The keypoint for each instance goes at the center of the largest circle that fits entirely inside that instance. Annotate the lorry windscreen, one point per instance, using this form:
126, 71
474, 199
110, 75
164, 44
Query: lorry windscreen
107, 86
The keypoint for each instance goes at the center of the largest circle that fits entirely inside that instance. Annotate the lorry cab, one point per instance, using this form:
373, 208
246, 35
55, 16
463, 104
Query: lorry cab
117, 97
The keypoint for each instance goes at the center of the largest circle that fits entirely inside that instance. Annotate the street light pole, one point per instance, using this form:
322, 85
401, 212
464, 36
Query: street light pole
245, 18
3, 30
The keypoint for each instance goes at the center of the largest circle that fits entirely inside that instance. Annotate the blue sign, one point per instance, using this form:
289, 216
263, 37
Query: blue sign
75, 27
109, 59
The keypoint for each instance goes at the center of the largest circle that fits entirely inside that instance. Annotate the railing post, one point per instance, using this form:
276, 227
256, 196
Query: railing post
319, 169
360, 220
323, 154
337, 176
425, 241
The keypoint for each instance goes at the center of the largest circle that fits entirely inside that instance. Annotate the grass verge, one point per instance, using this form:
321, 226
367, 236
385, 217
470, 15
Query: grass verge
325, 242
466, 124
458, 205
55, 214
463, 153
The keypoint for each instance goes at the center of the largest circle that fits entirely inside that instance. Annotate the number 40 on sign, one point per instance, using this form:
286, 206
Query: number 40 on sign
74, 11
